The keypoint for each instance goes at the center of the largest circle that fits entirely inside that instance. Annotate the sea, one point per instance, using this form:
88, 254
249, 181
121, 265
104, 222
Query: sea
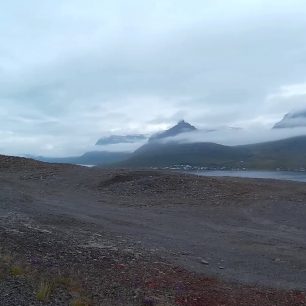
276, 175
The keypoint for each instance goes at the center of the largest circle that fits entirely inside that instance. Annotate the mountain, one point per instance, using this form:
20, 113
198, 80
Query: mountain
116, 139
179, 128
291, 120
107, 158
90, 158
286, 154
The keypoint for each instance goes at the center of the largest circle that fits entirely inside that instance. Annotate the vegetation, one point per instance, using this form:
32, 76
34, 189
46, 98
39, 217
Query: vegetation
9, 267
17, 270
44, 291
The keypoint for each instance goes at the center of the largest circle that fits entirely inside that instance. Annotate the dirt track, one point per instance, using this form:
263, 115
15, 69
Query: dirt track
247, 234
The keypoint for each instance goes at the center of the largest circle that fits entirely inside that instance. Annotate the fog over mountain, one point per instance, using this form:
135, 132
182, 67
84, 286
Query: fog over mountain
117, 139
236, 136
75, 72
182, 127
292, 120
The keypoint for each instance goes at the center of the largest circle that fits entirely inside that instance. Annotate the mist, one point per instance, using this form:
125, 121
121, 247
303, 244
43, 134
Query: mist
238, 136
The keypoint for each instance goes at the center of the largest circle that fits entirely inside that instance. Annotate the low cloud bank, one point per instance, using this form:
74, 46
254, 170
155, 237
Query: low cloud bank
235, 136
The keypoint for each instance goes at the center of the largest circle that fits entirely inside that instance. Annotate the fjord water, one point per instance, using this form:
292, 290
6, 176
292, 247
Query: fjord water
276, 175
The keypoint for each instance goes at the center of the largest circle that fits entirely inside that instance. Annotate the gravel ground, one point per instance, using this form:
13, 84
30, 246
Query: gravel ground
76, 236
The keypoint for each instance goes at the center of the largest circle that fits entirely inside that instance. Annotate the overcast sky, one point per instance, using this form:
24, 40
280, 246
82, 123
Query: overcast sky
72, 71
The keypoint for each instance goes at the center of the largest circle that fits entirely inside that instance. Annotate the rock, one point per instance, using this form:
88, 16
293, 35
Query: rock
186, 253
128, 250
204, 262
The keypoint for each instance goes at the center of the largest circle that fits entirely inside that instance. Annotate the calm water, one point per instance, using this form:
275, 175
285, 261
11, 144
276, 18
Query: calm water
277, 175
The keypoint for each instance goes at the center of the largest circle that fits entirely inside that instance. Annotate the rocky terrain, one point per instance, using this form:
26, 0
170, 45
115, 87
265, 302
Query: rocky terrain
71, 235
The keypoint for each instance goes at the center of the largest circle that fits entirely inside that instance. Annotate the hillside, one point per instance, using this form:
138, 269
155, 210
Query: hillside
286, 154
159, 154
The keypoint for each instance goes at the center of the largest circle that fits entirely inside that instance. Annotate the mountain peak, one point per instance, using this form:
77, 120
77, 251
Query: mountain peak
183, 122
181, 127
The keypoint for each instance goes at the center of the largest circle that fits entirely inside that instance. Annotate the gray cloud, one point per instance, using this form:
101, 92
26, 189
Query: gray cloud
74, 72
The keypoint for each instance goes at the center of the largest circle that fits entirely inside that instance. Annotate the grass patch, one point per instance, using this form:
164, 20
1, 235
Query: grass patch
44, 291
17, 271
74, 289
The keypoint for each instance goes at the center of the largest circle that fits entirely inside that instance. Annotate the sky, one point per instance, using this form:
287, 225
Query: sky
72, 71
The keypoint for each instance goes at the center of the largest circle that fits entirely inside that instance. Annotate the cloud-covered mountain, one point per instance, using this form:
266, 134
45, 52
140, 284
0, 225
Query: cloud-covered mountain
292, 120
180, 128
184, 144
116, 139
